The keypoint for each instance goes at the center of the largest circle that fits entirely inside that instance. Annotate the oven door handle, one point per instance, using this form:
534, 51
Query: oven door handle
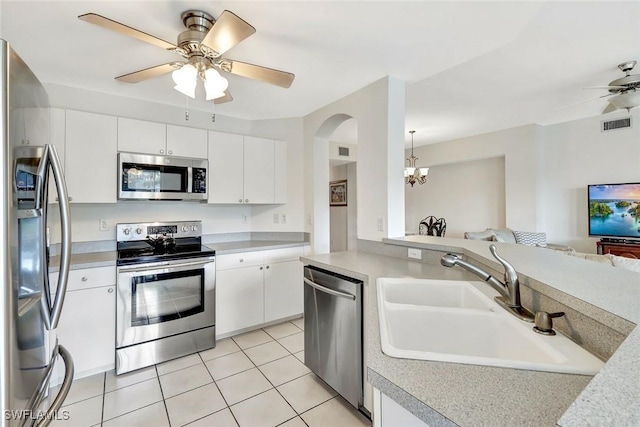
165, 265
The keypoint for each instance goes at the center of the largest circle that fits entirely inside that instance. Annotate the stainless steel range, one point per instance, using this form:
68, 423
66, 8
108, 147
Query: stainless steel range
165, 305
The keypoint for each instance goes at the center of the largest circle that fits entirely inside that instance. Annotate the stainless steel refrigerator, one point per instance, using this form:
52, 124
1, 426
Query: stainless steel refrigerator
30, 306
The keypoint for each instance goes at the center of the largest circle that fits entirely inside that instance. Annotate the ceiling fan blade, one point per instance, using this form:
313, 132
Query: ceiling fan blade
147, 73
228, 31
585, 100
610, 108
226, 98
257, 72
125, 29
605, 87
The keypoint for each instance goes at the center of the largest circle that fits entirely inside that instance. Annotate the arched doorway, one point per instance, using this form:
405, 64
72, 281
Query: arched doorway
322, 146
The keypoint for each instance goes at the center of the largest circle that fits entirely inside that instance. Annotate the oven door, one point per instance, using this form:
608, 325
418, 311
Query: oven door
163, 299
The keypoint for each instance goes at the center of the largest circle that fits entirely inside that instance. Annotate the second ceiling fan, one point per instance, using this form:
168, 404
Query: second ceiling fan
202, 44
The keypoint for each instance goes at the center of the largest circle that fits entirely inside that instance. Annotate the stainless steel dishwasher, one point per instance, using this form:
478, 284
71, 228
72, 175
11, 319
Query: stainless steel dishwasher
333, 331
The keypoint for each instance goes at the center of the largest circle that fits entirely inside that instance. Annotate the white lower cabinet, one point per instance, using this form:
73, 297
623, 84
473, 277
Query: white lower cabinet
87, 326
283, 290
257, 287
387, 413
239, 299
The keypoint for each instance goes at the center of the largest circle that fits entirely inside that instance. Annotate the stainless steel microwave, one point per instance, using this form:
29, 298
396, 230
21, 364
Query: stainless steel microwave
150, 177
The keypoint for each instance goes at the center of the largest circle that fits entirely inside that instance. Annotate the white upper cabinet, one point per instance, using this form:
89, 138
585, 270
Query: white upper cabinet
226, 176
91, 168
57, 138
140, 136
259, 170
280, 173
246, 169
186, 142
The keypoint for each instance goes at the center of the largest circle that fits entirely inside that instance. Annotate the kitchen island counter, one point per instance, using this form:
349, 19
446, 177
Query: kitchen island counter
446, 394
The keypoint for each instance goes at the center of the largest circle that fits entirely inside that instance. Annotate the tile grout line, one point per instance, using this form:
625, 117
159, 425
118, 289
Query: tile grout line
276, 388
104, 395
219, 391
142, 407
164, 401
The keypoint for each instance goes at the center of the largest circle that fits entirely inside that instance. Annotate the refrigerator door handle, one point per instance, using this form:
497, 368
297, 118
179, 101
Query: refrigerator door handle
45, 418
50, 157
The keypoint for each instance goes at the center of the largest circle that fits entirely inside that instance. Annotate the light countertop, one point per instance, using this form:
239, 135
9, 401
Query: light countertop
445, 394
108, 258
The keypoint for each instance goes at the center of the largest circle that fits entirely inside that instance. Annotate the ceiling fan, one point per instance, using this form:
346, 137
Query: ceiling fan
202, 45
624, 93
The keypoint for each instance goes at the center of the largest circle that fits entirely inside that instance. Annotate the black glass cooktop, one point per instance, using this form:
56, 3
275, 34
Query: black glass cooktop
139, 252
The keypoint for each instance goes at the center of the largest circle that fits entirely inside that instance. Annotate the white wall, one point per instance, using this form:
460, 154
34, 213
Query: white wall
574, 155
547, 170
470, 196
518, 147
216, 219
379, 109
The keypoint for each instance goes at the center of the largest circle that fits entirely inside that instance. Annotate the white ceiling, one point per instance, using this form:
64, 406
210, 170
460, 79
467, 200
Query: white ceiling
470, 67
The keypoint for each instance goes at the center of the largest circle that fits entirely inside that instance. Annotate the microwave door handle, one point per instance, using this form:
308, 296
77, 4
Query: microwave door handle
190, 180
65, 242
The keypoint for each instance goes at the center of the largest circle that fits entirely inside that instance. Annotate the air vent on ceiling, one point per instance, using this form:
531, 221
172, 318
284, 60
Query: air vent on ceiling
343, 151
608, 125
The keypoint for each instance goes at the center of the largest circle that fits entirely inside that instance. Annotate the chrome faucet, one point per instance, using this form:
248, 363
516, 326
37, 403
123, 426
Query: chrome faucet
509, 291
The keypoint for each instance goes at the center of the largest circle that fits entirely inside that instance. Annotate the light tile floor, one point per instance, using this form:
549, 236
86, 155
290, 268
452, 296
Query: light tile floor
257, 379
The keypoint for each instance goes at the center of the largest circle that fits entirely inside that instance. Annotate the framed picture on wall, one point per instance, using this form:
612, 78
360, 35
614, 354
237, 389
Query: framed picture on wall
338, 193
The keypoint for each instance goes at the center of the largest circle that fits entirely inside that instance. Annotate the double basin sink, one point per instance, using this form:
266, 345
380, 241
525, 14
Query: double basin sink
459, 322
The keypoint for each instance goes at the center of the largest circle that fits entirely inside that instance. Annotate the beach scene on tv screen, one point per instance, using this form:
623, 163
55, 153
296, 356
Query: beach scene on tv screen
614, 210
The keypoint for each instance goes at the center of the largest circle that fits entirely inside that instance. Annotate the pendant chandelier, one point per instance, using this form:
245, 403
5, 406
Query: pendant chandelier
413, 174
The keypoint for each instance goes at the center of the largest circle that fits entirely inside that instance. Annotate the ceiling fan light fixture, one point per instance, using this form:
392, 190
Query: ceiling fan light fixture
627, 100
186, 79
214, 84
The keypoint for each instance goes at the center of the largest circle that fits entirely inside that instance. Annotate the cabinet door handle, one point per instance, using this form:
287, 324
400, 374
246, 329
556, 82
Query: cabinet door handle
170, 151
246, 200
110, 290
161, 151
241, 259
267, 267
260, 267
84, 278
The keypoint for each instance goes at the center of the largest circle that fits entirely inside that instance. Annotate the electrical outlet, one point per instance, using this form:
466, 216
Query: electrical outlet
310, 219
276, 218
414, 253
283, 218
380, 224
104, 225
244, 219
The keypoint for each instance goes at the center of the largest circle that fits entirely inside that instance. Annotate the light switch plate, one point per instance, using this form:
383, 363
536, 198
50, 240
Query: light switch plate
276, 218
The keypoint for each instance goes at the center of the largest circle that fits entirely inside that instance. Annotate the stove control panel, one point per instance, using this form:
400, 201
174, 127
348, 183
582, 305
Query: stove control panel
140, 231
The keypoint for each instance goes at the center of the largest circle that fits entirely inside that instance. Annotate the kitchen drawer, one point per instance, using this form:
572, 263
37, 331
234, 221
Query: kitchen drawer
87, 278
238, 260
282, 255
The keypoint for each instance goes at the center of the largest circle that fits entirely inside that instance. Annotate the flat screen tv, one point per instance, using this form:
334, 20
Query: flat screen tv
614, 210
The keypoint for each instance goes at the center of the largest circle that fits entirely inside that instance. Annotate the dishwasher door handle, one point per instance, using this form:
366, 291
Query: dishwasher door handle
329, 291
